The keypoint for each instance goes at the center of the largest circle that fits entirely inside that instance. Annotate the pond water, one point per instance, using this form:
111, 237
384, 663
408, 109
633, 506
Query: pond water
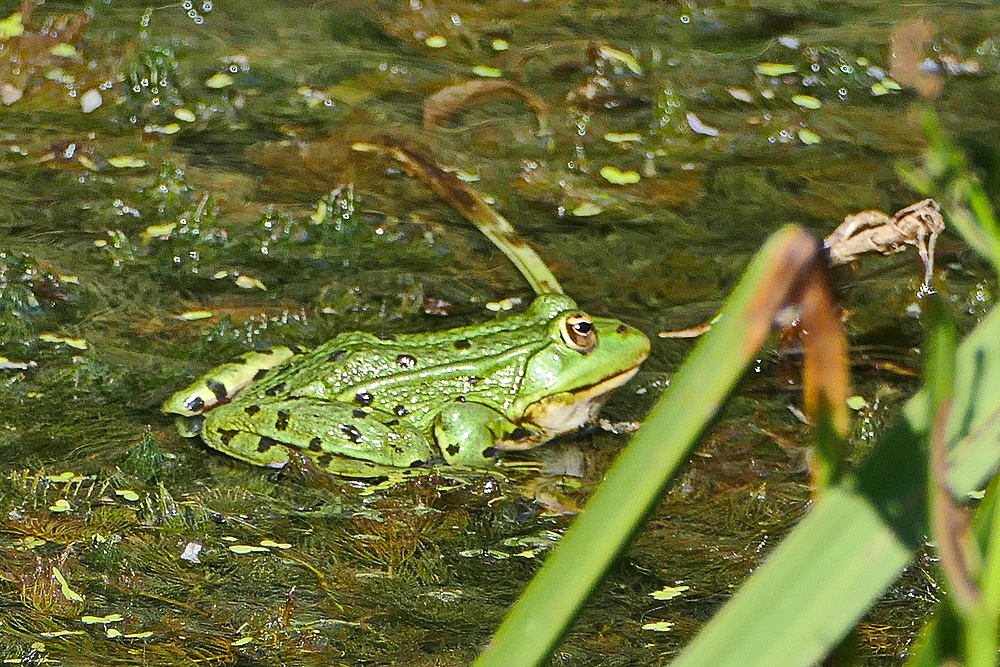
179, 187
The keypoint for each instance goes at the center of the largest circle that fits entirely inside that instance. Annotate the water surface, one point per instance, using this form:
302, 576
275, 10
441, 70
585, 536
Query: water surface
198, 158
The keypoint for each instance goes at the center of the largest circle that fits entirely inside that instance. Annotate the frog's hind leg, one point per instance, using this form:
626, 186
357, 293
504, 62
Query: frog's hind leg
337, 435
240, 443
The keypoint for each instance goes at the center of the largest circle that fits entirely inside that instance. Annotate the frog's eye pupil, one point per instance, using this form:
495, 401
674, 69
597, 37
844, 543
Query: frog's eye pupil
579, 333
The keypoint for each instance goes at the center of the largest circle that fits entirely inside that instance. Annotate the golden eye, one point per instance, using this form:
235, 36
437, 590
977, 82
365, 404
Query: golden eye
579, 333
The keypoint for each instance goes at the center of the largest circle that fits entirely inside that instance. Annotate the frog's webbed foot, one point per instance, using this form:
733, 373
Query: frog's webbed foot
522, 437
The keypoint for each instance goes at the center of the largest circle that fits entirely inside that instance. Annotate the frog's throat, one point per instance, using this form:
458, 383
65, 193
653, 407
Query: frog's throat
570, 410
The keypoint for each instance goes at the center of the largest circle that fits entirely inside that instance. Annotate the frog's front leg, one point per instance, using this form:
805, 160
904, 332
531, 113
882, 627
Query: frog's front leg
221, 384
468, 434
341, 437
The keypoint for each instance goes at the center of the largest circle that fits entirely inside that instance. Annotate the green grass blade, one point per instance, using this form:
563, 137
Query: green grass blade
830, 569
833, 566
985, 634
981, 631
942, 638
665, 441
949, 178
974, 427
958, 555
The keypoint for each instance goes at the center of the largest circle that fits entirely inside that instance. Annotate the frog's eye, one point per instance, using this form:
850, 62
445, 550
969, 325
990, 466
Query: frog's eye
579, 333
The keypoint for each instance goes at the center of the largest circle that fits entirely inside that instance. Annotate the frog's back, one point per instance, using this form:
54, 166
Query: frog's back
412, 375
355, 355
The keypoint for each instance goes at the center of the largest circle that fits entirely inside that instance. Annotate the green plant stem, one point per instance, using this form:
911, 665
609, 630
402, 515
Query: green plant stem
422, 164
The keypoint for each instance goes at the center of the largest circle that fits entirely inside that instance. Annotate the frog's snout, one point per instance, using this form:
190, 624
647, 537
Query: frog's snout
636, 342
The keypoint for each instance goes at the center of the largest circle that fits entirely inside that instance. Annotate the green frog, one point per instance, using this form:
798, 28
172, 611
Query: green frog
363, 404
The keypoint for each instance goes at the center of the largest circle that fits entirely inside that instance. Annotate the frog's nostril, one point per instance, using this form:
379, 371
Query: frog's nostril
622, 328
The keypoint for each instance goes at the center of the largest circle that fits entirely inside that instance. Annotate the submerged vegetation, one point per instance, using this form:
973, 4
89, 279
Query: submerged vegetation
180, 187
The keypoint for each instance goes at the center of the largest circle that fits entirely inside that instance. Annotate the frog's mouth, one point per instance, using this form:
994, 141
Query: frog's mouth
605, 386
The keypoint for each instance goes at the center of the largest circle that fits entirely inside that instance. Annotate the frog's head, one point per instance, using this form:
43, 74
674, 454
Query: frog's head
585, 359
